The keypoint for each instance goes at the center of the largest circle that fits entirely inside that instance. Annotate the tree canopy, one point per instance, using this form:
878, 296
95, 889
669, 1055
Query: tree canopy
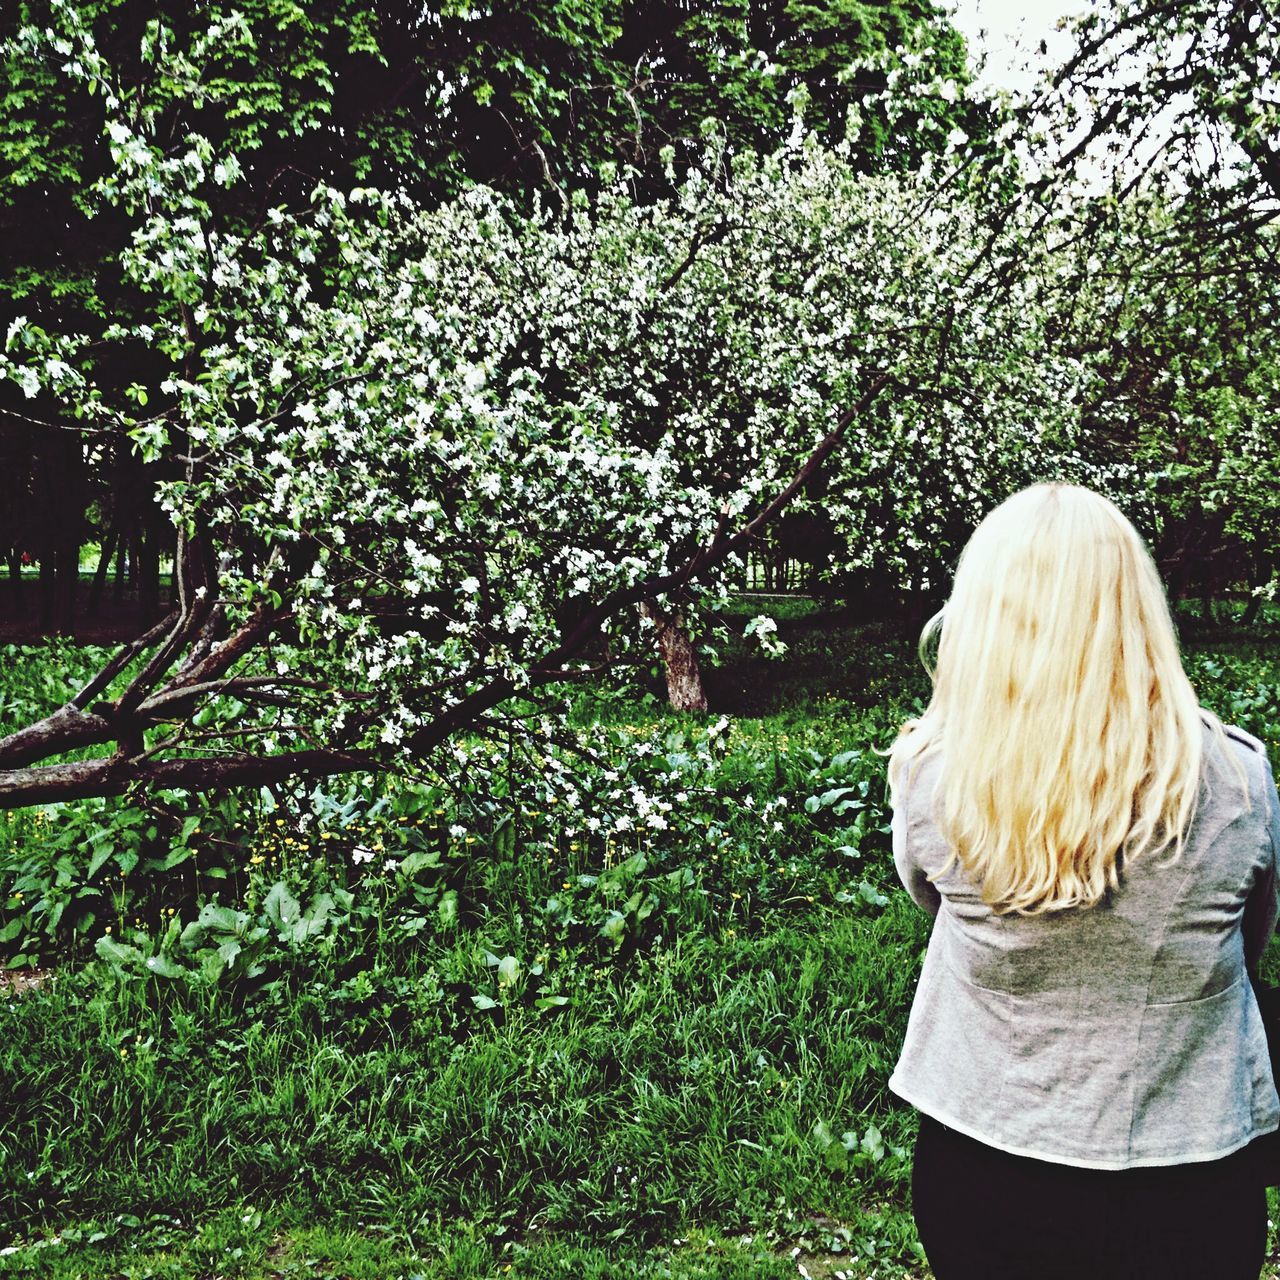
422, 458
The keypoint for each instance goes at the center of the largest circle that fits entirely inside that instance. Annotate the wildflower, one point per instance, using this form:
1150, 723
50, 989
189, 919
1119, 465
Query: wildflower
361, 854
258, 859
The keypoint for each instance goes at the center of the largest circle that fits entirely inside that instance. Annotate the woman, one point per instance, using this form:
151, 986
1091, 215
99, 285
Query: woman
1099, 855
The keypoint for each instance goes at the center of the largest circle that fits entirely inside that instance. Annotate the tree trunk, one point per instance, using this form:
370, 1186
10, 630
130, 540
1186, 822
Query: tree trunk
46, 587
108, 550
684, 676
148, 574
14, 562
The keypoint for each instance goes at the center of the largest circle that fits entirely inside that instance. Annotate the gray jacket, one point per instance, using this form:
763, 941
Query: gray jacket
1111, 1037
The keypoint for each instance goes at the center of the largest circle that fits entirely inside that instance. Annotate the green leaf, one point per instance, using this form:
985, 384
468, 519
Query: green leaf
123, 958
102, 850
873, 1143
163, 967
871, 895
282, 909
447, 909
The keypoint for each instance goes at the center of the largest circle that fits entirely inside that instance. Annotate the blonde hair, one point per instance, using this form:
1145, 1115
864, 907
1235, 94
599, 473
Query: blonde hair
1070, 738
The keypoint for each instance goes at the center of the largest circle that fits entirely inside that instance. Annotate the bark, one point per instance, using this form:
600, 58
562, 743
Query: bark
113, 776
108, 551
685, 691
123, 556
148, 573
14, 562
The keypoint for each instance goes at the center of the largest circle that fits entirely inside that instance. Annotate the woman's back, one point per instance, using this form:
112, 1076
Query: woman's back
1109, 1037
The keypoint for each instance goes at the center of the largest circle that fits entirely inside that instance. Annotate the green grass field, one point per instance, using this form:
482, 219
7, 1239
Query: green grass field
426, 1033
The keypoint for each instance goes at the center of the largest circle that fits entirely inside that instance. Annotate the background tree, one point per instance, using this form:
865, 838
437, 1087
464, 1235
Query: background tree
527, 97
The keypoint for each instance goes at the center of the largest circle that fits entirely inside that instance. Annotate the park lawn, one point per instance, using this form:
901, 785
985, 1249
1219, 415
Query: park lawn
539, 1082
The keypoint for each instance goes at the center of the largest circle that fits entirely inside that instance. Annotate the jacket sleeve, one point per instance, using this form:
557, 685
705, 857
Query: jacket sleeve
922, 890
1261, 908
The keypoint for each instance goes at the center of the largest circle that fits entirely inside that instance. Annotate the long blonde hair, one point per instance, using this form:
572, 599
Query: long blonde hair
1070, 737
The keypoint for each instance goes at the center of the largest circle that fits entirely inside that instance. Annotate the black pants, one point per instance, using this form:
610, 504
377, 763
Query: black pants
984, 1213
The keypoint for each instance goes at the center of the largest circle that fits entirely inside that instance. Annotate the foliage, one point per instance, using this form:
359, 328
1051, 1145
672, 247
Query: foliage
441, 450
1185, 90
504, 1014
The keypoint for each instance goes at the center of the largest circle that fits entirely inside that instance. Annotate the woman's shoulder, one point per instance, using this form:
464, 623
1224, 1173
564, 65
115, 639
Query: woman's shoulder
1237, 735
1239, 760
1244, 753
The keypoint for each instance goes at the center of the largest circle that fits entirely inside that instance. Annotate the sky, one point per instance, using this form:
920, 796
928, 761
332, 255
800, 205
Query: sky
1010, 32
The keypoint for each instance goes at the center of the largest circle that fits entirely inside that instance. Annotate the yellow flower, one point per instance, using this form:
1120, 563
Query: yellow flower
257, 859
471, 840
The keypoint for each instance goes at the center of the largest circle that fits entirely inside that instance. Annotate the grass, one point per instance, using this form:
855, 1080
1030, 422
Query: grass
544, 1052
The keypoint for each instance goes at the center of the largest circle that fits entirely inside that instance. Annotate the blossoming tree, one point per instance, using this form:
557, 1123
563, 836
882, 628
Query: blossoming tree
419, 464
